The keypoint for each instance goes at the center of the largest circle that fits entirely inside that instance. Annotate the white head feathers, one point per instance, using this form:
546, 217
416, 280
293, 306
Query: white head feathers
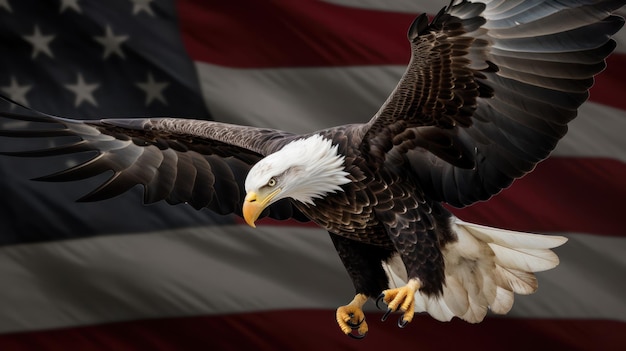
304, 169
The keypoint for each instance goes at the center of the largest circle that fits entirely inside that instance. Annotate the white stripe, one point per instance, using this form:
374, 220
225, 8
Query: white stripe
620, 37
174, 273
588, 282
296, 99
308, 99
598, 131
410, 6
238, 269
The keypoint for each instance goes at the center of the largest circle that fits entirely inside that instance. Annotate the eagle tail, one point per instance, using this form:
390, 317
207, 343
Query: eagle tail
484, 268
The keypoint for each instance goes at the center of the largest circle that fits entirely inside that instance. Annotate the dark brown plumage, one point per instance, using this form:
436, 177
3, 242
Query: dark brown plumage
487, 94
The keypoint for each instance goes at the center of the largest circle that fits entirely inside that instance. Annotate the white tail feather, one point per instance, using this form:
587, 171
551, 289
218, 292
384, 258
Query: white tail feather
529, 260
484, 267
511, 239
455, 296
519, 282
503, 302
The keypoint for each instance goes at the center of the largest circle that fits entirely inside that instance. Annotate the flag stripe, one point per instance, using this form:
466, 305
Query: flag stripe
561, 194
291, 330
102, 280
597, 132
314, 32
407, 6
609, 85
296, 99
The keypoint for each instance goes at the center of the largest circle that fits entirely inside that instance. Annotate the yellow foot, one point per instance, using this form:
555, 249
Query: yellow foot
402, 299
351, 317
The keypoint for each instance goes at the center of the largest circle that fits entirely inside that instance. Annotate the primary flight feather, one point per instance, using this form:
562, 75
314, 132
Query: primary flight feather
487, 94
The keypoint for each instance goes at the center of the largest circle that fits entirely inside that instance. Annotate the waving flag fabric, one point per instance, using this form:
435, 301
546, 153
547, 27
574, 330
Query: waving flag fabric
123, 276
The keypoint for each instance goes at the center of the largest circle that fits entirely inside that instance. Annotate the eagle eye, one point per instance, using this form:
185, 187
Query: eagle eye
271, 182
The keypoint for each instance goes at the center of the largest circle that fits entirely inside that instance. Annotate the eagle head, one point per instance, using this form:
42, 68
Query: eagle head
303, 170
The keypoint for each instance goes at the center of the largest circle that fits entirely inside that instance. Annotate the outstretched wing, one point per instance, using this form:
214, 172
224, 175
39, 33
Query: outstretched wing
198, 162
489, 91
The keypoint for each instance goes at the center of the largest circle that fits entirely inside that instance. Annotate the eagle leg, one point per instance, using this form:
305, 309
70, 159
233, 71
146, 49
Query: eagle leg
351, 317
402, 299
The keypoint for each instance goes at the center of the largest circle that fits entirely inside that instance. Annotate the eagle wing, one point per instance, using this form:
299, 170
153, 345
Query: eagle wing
202, 163
489, 91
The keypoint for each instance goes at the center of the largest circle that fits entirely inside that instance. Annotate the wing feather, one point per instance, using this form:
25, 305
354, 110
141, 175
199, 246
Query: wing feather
489, 91
184, 181
201, 163
161, 185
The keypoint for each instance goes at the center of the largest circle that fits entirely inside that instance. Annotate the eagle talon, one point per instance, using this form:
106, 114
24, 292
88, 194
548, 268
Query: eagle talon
357, 336
351, 319
354, 325
400, 299
384, 318
378, 299
402, 322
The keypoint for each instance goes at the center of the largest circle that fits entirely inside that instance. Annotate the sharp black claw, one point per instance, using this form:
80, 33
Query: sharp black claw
380, 297
384, 318
401, 322
355, 325
356, 336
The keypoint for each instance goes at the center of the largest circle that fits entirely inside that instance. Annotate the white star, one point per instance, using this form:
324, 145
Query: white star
142, 5
17, 92
153, 90
41, 43
5, 4
112, 43
83, 91
67, 4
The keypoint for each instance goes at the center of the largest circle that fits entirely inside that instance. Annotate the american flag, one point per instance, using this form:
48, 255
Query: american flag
120, 275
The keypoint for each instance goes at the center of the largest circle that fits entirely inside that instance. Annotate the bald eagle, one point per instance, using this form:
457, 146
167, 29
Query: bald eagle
488, 93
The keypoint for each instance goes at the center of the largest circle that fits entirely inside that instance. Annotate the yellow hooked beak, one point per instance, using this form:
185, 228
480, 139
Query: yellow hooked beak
254, 204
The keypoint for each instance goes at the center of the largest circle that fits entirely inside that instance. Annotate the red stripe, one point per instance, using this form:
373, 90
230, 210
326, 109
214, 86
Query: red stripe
610, 86
287, 33
576, 195
561, 195
316, 330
